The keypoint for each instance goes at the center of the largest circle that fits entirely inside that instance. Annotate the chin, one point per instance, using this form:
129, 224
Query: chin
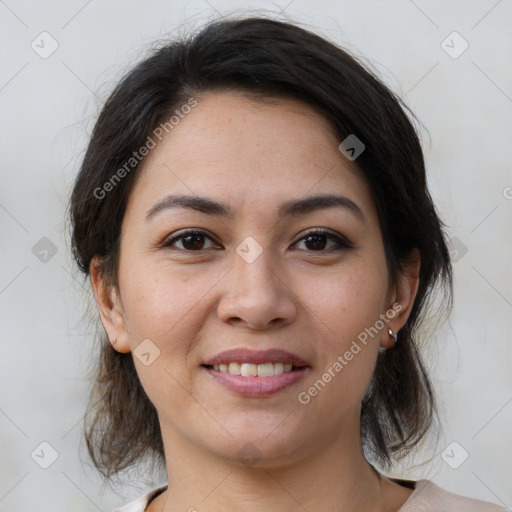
259, 442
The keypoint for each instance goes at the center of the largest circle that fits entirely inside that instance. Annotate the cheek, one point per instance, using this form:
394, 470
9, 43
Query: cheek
346, 310
156, 297
164, 310
348, 301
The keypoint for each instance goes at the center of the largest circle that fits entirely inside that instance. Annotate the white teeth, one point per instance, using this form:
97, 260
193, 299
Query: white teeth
234, 369
265, 370
254, 370
248, 370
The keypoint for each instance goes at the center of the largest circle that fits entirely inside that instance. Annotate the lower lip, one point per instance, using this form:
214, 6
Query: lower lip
258, 386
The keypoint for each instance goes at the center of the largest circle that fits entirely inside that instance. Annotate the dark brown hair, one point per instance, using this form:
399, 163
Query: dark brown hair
268, 58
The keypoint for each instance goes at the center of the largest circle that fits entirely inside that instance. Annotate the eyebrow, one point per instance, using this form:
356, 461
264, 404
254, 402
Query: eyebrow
287, 209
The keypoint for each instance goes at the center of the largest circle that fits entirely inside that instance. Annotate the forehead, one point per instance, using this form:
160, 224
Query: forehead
227, 124
238, 148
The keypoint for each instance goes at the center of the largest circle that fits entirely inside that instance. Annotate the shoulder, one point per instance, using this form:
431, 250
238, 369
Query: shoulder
428, 497
140, 504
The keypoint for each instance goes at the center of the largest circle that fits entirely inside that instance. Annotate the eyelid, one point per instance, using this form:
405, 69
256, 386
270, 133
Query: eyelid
339, 239
168, 241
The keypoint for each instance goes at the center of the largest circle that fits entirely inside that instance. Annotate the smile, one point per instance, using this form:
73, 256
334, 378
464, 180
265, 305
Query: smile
254, 370
260, 373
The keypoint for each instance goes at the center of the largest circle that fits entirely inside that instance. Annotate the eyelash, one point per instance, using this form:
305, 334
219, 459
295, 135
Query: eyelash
340, 241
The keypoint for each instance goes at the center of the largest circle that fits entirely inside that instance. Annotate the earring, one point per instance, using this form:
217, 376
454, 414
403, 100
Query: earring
393, 335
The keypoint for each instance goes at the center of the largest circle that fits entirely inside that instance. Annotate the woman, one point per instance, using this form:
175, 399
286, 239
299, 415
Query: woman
253, 214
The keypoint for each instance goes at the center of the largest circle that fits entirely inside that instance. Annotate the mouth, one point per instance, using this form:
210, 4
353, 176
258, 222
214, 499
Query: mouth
256, 373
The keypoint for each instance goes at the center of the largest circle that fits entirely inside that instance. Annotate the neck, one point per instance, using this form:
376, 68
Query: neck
334, 477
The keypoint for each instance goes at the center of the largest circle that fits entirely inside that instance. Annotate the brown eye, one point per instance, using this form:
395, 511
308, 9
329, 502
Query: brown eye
191, 241
316, 242
319, 241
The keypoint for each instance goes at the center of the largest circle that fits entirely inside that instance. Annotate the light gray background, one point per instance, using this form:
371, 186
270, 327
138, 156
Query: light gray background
48, 108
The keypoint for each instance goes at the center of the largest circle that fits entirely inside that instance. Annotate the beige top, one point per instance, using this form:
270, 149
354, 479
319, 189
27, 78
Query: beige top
426, 497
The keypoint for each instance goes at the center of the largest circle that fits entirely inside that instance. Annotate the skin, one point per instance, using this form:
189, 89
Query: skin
253, 156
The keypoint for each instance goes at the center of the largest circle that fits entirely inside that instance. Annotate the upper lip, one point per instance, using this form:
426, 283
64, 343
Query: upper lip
243, 355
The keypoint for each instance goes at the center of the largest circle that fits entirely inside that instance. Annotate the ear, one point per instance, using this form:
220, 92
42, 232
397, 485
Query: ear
110, 308
402, 298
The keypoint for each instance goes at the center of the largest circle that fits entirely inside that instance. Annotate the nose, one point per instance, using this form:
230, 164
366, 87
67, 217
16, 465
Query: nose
256, 295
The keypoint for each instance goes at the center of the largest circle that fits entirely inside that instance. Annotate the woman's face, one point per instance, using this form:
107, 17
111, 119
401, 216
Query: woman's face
255, 279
